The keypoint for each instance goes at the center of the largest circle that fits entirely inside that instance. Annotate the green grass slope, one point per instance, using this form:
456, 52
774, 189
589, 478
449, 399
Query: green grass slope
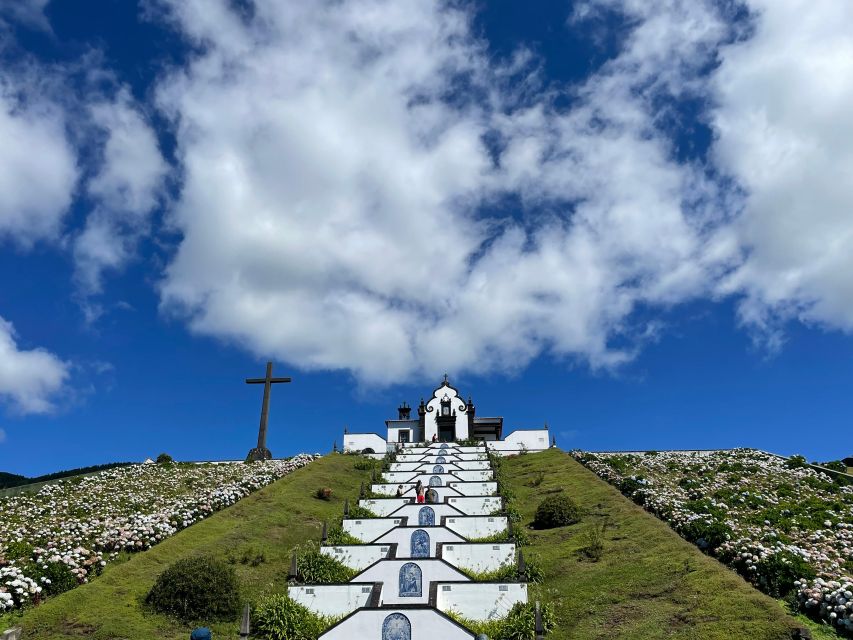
650, 583
272, 521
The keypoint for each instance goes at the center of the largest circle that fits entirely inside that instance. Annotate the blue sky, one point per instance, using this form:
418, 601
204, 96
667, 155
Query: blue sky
631, 220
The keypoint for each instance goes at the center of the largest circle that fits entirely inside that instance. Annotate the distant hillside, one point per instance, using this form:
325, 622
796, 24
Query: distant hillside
9, 480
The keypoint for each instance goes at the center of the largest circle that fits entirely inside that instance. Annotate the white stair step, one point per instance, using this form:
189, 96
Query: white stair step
398, 623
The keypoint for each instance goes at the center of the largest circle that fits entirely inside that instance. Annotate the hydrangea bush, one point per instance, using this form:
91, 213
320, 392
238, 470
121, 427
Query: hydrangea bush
786, 527
67, 532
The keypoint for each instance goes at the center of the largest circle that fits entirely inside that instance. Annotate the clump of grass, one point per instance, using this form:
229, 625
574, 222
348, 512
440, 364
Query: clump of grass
538, 479
592, 539
249, 556
323, 493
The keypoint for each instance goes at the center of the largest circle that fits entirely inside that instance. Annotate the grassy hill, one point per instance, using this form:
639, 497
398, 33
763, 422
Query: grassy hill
649, 583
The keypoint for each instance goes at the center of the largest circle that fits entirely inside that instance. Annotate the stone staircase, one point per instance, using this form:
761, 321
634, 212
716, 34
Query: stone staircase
413, 557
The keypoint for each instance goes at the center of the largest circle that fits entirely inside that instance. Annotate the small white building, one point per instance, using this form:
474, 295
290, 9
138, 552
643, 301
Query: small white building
446, 417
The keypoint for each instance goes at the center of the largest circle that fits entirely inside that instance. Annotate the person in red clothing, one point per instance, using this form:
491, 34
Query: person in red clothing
419, 492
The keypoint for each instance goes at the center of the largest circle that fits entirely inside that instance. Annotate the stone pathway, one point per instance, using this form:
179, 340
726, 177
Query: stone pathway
413, 557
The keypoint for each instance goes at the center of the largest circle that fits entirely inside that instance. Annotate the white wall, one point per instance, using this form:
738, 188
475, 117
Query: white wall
358, 556
332, 599
480, 600
404, 466
383, 506
369, 529
394, 433
362, 441
473, 464
402, 536
427, 624
412, 478
450, 466
476, 526
390, 490
475, 488
388, 573
474, 475
532, 440
479, 556
411, 511
476, 506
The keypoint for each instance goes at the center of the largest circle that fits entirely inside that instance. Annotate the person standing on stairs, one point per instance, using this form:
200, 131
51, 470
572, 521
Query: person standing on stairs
419, 491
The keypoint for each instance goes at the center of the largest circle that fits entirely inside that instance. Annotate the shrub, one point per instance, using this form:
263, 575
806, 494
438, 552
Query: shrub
198, 588
17, 549
59, 577
314, 567
835, 465
366, 464
513, 514
337, 536
795, 462
519, 624
593, 541
323, 493
165, 458
556, 511
360, 513
279, 618
776, 574
707, 534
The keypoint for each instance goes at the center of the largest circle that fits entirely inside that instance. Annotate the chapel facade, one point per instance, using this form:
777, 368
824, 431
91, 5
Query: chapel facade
446, 417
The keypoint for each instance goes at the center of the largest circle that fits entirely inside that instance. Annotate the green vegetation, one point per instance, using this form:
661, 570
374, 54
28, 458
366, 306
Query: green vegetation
337, 536
558, 510
314, 567
164, 458
200, 589
359, 513
517, 625
11, 480
272, 522
280, 618
592, 540
647, 583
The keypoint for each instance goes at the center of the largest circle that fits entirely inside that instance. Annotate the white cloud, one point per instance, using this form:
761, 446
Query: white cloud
29, 379
336, 177
330, 209
125, 189
28, 12
783, 132
38, 167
